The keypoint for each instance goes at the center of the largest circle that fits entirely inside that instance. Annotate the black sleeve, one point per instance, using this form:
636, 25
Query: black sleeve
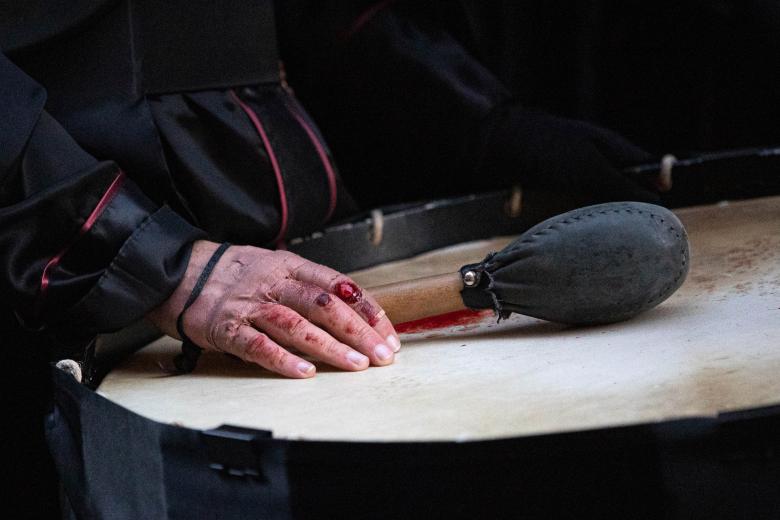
82, 249
411, 113
399, 100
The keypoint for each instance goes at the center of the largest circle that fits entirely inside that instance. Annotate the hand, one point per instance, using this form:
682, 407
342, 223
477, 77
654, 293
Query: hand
259, 305
566, 155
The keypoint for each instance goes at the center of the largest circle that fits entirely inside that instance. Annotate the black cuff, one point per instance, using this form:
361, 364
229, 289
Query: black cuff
145, 272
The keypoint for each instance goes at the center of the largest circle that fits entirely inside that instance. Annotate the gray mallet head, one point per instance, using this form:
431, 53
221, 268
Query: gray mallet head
597, 264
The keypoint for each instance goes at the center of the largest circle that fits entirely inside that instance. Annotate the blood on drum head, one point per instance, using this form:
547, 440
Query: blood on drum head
450, 319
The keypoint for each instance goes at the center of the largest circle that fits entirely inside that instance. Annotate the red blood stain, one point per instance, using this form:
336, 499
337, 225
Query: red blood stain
282, 319
369, 312
349, 292
451, 319
322, 300
274, 315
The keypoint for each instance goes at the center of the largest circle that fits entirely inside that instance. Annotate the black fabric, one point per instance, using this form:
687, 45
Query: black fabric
34, 22
443, 123
218, 167
222, 172
597, 264
196, 150
677, 77
214, 44
115, 465
680, 77
564, 155
399, 100
51, 188
706, 467
30, 488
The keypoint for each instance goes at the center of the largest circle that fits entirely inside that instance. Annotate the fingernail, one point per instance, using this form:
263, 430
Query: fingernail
394, 343
382, 352
305, 368
357, 359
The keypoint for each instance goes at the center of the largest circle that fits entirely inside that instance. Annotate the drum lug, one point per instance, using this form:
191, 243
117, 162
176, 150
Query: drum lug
236, 451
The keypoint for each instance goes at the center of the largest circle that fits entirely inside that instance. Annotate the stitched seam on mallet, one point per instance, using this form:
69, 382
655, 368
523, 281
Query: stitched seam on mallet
578, 218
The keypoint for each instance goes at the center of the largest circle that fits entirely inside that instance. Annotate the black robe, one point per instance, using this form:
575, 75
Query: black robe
188, 101
132, 128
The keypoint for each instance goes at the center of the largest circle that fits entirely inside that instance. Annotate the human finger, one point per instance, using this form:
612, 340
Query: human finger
335, 316
363, 303
289, 328
353, 295
253, 346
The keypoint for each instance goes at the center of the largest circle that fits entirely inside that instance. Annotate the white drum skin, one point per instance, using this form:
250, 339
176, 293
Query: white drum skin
713, 346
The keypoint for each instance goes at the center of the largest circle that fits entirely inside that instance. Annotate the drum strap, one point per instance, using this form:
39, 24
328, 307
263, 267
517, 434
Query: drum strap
402, 231
397, 232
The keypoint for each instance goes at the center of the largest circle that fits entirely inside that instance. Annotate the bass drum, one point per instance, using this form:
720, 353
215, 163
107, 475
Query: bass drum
667, 415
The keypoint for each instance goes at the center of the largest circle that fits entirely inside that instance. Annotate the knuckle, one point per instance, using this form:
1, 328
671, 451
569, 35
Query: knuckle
335, 278
332, 348
238, 268
291, 260
297, 326
341, 278
291, 292
324, 301
260, 348
273, 293
279, 360
225, 332
365, 333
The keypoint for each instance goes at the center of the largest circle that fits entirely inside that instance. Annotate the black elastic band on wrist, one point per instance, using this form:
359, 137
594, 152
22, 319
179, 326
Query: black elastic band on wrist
190, 352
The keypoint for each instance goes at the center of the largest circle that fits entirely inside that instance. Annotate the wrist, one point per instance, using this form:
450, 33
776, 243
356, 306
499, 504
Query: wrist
164, 316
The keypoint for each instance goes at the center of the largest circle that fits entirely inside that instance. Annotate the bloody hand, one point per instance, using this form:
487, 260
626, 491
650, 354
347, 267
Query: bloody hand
261, 305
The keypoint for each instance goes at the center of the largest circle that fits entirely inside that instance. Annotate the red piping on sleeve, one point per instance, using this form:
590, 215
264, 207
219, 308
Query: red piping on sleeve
325, 162
365, 17
85, 227
274, 163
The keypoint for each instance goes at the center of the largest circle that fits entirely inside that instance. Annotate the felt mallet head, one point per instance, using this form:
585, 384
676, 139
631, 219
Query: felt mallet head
597, 264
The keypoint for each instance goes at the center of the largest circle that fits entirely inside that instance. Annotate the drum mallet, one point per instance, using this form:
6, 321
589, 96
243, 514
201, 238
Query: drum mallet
597, 264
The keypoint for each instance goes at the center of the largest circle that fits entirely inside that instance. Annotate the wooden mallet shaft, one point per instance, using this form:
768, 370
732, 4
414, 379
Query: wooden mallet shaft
416, 299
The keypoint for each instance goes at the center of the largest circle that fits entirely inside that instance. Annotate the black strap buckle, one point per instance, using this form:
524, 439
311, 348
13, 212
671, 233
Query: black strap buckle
236, 451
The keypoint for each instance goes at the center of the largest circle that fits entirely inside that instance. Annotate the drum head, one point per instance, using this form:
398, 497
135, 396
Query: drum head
711, 347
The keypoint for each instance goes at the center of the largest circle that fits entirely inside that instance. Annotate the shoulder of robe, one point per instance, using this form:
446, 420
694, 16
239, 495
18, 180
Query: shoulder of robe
28, 23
